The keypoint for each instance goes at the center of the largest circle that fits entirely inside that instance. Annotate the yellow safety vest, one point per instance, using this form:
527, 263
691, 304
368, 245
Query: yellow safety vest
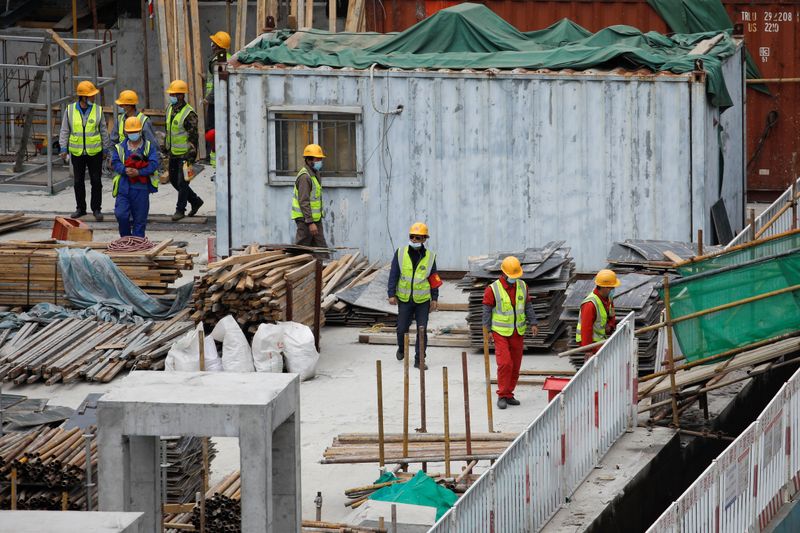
121, 153
85, 139
316, 198
121, 124
506, 315
599, 326
210, 78
177, 137
414, 282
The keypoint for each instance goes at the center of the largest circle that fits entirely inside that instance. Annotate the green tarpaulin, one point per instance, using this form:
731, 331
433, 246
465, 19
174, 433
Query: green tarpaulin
472, 36
419, 490
767, 248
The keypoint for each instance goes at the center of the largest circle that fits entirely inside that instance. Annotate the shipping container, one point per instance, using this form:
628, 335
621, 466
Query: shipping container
491, 160
771, 34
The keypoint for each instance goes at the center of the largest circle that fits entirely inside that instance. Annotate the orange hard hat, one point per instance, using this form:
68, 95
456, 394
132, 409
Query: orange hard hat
313, 150
127, 97
178, 87
221, 39
133, 124
607, 278
511, 267
418, 228
86, 88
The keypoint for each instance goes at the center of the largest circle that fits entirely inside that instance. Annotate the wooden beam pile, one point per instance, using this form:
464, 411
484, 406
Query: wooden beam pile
29, 271
16, 221
345, 280
256, 287
72, 349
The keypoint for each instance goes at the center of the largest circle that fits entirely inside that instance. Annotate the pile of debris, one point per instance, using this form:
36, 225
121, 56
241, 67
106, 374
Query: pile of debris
16, 221
652, 256
346, 280
547, 271
185, 466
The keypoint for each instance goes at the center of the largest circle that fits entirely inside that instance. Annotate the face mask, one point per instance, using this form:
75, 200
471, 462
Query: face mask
134, 136
173, 100
511, 281
611, 293
317, 165
414, 244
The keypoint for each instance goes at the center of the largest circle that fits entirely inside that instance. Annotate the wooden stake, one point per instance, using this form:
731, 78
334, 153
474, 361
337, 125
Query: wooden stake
145, 59
465, 379
394, 518
405, 395
64, 500
751, 220
198, 73
487, 371
309, 22
75, 35
421, 342
163, 47
14, 469
241, 24
446, 403
699, 242
379, 378
331, 16
670, 359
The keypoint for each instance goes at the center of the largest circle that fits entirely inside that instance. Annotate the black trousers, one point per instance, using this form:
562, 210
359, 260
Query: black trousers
406, 312
185, 192
94, 163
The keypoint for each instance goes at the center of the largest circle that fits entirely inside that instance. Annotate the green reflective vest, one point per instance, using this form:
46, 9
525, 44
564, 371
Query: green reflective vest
210, 78
599, 327
414, 282
506, 315
85, 138
316, 198
177, 136
121, 124
121, 153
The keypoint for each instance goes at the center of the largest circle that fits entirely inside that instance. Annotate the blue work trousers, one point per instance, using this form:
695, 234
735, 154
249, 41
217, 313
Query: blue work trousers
132, 205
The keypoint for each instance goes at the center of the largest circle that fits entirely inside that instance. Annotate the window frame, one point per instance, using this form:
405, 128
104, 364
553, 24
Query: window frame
274, 179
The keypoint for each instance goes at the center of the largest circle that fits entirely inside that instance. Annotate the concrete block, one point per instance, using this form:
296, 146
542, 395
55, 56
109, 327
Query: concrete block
68, 522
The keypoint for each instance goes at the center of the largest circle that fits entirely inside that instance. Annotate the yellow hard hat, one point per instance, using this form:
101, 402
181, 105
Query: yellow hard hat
313, 150
511, 267
221, 39
418, 228
133, 124
607, 278
87, 88
178, 87
127, 97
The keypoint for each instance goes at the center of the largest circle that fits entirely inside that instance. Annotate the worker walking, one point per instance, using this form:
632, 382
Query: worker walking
507, 312
220, 44
307, 210
135, 163
181, 146
597, 312
84, 137
414, 287
127, 102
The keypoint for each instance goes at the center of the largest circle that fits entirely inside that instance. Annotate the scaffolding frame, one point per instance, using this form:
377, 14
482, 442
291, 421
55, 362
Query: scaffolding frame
59, 75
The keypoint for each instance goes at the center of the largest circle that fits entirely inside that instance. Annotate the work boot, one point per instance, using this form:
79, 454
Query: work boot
502, 403
77, 214
512, 401
416, 365
399, 355
177, 216
195, 209
98, 216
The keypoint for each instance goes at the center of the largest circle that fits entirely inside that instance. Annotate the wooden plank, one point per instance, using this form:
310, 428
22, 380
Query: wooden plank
309, 20
60, 42
332, 16
355, 9
444, 341
241, 24
261, 16
199, 75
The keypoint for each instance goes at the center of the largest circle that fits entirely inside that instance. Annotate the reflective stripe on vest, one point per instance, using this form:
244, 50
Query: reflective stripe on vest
210, 78
315, 199
85, 139
414, 282
506, 315
599, 326
121, 124
154, 181
177, 137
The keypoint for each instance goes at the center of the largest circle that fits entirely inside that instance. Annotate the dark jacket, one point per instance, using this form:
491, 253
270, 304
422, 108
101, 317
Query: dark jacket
394, 273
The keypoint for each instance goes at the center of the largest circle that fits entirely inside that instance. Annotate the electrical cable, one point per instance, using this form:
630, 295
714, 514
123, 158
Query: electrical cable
131, 244
772, 120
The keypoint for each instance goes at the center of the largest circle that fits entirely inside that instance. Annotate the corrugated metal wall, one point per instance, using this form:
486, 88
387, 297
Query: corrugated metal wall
490, 161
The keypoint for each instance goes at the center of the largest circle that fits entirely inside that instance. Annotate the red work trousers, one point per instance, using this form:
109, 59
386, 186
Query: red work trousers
508, 352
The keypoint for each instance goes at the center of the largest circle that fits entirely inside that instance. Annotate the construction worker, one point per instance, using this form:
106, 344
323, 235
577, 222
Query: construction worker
135, 163
597, 312
307, 210
85, 137
220, 44
507, 312
181, 145
127, 102
413, 287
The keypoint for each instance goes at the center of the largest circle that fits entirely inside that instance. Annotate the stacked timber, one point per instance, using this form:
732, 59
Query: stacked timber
547, 271
72, 349
29, 271
258, 286
344, 300
651, 256
16, 221
185, 467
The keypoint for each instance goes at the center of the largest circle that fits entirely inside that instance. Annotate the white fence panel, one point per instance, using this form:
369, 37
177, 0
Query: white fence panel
782, 224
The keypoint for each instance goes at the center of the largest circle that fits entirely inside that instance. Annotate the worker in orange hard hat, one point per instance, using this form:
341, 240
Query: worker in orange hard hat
84, 137
507, 313
307, 206
127, 102
414, 288
220, 53
596, 319
181, 146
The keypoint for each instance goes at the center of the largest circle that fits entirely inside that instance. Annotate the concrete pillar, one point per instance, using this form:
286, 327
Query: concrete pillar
255, 445
286, 503
143, 462
113, 472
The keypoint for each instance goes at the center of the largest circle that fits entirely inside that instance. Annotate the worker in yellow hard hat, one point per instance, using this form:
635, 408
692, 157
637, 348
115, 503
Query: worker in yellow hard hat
414, 288
127, 102
220, 53
84, 137
597, 312
135, 163
181, 146
507, 313
307, 204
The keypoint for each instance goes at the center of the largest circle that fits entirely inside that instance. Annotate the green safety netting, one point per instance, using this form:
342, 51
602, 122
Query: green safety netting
419, 490
739, 256
743, 325
472, 36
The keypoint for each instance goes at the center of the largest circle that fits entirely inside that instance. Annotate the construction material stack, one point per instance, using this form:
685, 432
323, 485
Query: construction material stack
185, 467
547, 271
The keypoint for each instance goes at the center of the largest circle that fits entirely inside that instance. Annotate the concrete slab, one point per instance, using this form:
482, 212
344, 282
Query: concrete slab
68, 522
629, 456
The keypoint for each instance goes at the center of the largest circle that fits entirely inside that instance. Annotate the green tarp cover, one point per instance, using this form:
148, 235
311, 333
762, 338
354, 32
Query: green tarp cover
739, 256
419, 490
712, 334
472, 36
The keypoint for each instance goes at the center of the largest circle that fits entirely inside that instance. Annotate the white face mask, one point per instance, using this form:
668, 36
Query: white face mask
415, 244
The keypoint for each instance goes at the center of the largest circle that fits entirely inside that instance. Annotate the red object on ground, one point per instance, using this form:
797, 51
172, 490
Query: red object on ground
508, 352
553, 386
65, 229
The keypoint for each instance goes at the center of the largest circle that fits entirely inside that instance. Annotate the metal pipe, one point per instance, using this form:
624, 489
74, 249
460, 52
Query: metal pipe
405, 395
487, 372
446, 404
465, 379
88, 468
421, 343
753, 81
379, 378
48, 137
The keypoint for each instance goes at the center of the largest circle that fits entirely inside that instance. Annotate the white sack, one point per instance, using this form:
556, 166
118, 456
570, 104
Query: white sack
299, 349
184, 354
236, 356
268, 348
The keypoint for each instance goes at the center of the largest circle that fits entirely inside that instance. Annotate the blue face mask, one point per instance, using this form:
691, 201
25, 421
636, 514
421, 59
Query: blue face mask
173, 99
317, 165
134, 136
611, 294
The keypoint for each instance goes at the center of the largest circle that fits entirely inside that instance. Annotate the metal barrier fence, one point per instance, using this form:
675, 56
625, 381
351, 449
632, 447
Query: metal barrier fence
745, 487
533, 478
780, 210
